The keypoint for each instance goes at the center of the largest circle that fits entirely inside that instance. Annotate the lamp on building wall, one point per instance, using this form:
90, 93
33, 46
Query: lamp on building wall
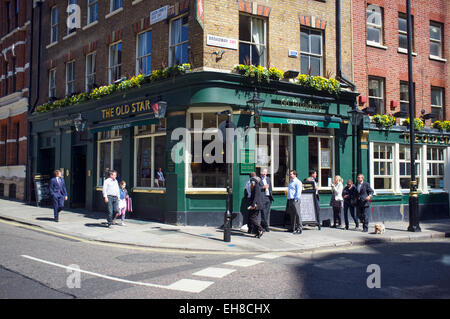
159, 108
79, 123
256, 103
356, 115
427, 116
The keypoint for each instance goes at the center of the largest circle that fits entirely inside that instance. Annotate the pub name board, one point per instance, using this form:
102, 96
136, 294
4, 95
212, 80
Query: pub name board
139, 107
300, 105
429, 139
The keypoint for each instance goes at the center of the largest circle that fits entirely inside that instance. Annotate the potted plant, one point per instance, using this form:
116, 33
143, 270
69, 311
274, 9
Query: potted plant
385, 121
418, 124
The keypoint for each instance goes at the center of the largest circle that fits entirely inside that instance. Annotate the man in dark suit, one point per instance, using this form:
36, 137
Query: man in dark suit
365, 193
266, 199
254, 208
58, 192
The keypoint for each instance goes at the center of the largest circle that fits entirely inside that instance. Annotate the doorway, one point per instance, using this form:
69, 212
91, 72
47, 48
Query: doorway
78, 189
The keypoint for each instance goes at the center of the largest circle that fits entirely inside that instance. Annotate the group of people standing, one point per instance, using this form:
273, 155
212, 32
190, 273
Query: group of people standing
116, 198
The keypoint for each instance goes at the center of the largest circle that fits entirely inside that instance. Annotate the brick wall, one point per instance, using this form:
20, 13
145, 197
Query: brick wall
393, 65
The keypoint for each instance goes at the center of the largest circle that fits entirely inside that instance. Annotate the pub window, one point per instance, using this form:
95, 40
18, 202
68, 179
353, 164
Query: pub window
376, 94
383, 170
90, 71
92, 15
374, 24
435, 167
405, 166
109, 156
144, 53
70, 78
252, 40
150, 161
115, 62
266, 150
179, 41
54, 25
52, 84
437, 103
311, 51
403, 31
202, 170
115, 5
321, 158
69, 2
436, 39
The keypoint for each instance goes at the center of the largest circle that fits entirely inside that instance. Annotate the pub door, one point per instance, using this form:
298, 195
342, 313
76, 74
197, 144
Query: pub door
79, 171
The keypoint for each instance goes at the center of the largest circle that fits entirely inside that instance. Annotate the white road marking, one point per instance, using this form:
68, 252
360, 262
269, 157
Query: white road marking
214, 272
244, 262
183, 285
268, 256
190, 285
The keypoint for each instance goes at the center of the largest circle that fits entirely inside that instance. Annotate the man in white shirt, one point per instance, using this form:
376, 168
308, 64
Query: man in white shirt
293, 202
111, 194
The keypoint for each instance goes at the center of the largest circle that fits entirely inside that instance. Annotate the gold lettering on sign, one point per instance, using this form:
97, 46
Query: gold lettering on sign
125, 109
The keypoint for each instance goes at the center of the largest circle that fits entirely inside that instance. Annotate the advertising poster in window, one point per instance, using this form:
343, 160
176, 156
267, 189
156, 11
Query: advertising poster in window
325, 158
262, 156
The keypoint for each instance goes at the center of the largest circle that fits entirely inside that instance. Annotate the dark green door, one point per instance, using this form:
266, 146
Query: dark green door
79, 172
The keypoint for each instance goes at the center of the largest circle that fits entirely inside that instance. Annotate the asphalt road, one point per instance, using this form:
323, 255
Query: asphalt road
36, 264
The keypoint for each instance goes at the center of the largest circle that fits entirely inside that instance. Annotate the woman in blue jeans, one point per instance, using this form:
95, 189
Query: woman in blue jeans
350, 195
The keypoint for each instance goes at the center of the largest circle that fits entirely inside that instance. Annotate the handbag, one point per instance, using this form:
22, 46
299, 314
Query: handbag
129, 205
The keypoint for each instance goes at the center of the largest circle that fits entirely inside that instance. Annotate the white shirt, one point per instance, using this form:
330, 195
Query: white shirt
337, 191
111, 188
249, 189
265, 183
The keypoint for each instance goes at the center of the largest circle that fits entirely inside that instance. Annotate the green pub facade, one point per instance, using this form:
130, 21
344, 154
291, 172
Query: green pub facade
306, 129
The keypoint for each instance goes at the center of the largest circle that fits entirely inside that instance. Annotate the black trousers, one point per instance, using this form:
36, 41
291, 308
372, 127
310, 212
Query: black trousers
265, 212
293, 209
363, 215
349, 207
336, 216
254, 225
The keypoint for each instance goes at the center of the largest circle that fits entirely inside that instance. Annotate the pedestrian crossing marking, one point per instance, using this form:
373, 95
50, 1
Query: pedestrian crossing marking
268, 256
190, 285
214, 272
244, 262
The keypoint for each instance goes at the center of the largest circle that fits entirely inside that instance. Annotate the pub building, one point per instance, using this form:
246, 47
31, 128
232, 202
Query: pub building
315, 131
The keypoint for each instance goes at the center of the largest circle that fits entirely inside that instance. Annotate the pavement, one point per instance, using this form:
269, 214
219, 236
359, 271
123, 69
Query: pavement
91, 226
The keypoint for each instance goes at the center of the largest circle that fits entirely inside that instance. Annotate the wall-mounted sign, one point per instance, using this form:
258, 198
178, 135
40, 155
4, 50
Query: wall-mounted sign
138, 107
248, 160
429, 139
221, 42
302, 106
293, 54
63, 123
159, 15
199, 12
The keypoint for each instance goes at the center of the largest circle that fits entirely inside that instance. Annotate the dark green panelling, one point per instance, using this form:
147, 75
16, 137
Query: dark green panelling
206, 203
127, 151
300, 149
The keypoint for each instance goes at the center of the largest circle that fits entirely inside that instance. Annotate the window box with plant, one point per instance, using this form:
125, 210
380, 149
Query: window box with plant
418, 124
385, 121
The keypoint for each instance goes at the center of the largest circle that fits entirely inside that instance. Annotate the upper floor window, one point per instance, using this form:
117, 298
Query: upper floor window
90, 71
70, 78
115, 62
16, 14
311, 51
92, 15
376, 94
14, 75
179, 41
5, 91
69, 2
403, 31
8, 16
252, 40
404, 96
436, 39
144, 53
52, 84
374, 24
437, 103
54, 25
115, 4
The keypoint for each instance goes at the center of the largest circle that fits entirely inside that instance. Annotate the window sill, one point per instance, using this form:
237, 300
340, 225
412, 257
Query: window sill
404, 51
136, 2
150, 190
199, 191
51, 45
376, 45
69, 35
90, 25
109, 15
436, 58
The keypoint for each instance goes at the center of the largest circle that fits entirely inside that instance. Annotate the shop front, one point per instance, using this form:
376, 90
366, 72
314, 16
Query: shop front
175, 166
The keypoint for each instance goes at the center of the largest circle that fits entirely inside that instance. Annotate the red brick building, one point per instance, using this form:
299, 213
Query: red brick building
381, 62
14, 68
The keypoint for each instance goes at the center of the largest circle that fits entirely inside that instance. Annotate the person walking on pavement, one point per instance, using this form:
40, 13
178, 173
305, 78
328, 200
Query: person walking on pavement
267, 200
122, 202
248, 201
58, 192
255, 206
365, 193
111, 194
350, 195
336, 200
293, 202
313, 177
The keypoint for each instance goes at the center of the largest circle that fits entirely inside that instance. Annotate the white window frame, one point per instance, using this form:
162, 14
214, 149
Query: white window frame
430, 162
138, 58
441, 92
382, 97
70, 81
437, 25
111, 140
189, 153
264, 45
319, 156
54, 25
90, 5
310, 54
90, 75
152, 134
394, 175
110, 66
419, 149
69, 2
172, 46
111, 6
375, 26
52, 80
